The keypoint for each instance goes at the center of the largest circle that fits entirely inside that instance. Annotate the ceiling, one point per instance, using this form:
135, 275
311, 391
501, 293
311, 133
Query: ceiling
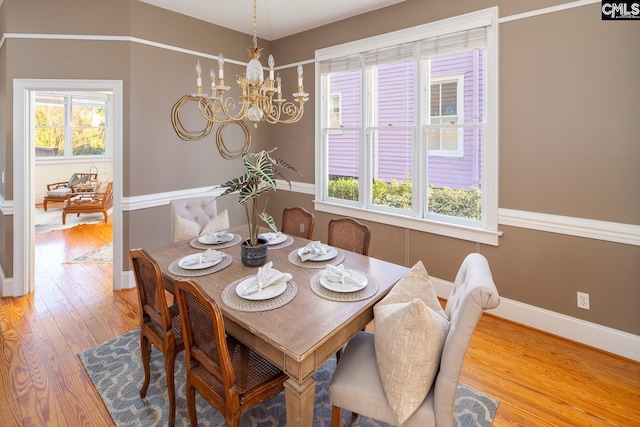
275, 18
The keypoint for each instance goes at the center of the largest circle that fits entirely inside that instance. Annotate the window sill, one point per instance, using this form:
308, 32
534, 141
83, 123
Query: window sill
428, 226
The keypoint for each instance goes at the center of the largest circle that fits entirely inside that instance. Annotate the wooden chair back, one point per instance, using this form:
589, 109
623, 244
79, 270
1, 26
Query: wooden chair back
298, 222
226, 373
349, 234
160, 324
153, 303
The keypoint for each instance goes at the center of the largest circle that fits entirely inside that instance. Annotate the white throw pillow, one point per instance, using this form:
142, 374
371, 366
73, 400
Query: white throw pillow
185, 229
219, 223
410, 330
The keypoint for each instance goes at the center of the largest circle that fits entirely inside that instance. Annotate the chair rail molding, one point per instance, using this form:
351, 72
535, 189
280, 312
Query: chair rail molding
628, 234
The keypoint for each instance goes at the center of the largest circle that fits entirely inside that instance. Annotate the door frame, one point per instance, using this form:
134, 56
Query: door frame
24, 175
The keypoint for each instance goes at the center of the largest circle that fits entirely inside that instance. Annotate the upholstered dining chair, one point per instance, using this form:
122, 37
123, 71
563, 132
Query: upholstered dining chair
194, 211
160, 324
356, 384
298, 222
349, 234
226, 373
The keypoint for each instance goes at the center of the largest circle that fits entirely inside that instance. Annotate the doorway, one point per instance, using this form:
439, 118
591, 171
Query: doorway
24, 174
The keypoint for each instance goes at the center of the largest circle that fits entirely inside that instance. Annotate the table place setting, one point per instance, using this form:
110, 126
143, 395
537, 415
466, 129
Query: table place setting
218, 239
266, 290
316, 255
200, 264
336, 283
276, 240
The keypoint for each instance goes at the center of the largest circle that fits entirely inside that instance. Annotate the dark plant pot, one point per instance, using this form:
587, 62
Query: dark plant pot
254, 256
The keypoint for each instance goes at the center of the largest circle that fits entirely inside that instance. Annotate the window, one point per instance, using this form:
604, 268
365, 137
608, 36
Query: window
335, 110
445, 101
71, 125
417, 145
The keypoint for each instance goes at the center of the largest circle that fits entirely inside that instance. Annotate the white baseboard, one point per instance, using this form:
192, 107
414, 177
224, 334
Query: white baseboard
601, 337
7, 288
128, 281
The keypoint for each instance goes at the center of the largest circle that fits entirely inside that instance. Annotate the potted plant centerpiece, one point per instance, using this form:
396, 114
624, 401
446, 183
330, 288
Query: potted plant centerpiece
254, 188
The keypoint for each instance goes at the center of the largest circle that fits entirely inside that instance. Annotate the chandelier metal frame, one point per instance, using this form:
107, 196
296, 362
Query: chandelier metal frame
261, 99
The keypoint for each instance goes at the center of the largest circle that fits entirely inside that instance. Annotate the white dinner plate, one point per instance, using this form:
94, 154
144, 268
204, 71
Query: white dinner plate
275, 241
331, 254
206, 240
185, 263
266, 293
360, 278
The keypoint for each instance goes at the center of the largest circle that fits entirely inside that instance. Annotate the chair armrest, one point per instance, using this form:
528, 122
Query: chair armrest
57, 185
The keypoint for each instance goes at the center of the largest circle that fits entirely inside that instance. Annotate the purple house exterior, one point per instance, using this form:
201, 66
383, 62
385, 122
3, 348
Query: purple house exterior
456, 99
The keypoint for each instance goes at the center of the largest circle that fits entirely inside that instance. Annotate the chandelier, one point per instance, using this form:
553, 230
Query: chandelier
261, 97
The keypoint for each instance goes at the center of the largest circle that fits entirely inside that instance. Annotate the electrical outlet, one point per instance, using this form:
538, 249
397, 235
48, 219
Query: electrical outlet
583, 300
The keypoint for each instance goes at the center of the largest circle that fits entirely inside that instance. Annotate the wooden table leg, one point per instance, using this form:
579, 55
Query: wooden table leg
300, 402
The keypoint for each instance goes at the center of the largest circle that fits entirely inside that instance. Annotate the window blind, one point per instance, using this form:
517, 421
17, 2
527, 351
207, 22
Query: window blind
450, 44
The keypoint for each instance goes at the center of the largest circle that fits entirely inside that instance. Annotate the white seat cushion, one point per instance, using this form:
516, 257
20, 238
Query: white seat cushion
59, 192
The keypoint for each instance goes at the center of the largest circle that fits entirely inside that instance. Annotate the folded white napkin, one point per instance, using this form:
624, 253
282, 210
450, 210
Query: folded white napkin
219, 236
312, 250
210, 255
270, 236
266, 277
337, 273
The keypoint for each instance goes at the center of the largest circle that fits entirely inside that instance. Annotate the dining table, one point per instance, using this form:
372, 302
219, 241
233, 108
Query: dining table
302, 326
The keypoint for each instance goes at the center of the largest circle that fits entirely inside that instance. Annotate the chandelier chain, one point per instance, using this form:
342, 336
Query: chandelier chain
255, 27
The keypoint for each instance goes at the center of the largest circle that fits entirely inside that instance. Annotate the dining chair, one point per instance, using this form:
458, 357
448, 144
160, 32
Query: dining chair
349, 234
356, 384
197, 210
227, 374
160, 324
298, 222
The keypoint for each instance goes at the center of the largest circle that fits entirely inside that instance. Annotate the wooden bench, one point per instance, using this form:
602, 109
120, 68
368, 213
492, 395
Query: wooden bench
90, 202
58, 191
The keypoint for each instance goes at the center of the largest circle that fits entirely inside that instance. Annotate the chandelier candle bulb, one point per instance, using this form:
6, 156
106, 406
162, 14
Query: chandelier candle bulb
271, 64
199, 75
300, 77
220, 67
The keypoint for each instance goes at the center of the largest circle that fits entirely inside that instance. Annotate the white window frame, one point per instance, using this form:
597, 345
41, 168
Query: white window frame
69, 157
459, 80
487, 231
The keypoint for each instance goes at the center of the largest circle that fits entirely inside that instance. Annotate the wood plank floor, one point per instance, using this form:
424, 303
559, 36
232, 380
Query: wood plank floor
540, 380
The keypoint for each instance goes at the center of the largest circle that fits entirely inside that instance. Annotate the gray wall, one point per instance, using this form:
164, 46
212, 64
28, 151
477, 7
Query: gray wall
569, 132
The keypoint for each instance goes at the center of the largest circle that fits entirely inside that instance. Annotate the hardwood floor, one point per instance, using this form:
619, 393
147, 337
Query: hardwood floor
540, 380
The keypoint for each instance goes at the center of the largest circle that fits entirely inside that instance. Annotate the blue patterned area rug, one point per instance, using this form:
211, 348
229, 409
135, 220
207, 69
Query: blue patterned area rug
116, 371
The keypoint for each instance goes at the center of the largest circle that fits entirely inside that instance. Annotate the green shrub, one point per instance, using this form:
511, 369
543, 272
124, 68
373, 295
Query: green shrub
344, 188
398, 194
455, 202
